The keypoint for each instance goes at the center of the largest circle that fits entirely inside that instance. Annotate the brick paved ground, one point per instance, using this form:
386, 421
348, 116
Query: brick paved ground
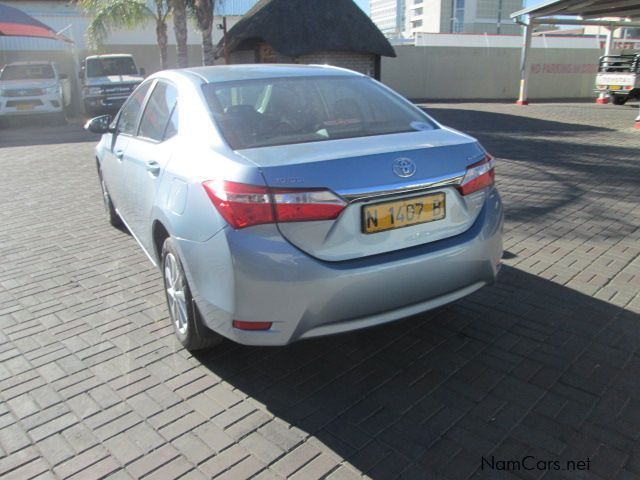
544, 363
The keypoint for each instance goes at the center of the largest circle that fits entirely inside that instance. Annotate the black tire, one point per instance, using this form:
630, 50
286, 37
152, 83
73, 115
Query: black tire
189, 328
619, 99
112, 215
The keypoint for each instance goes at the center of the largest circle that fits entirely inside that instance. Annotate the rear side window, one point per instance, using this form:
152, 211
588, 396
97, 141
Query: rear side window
158, 114
280, 111
128, 118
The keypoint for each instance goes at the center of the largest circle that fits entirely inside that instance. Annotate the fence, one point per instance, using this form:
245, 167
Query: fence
443, 66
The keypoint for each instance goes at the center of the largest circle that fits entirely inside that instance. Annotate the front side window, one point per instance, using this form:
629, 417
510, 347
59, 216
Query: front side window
128, 118
27, 72
158, 111
264, 112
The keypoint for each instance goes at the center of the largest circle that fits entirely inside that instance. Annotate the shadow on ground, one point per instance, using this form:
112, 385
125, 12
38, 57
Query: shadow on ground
563, 166
21, 132
525, 367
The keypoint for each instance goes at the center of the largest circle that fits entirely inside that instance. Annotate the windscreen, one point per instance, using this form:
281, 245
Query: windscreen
103, 67
27, 72
264, 112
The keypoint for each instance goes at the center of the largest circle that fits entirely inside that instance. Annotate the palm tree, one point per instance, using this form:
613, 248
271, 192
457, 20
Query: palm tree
203, 10
109, 14
179, 8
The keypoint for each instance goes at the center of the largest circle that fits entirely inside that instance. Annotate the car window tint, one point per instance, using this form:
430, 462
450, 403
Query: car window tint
157, 113
128, 118
277, 111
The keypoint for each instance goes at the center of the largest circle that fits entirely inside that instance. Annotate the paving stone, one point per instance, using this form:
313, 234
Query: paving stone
262, 448
81, 462
224, 461
296, 459
55, 449
153, 461
13, 438
545, 361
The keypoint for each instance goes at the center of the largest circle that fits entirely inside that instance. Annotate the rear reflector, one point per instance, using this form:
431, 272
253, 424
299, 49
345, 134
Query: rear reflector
243, 205
478, 176
241, 325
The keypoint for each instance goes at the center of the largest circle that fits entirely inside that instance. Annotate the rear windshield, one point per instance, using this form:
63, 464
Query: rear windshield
102, 67
27, 72
264, 112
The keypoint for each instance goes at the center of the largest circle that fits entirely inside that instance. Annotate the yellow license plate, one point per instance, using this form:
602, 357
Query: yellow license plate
403, 213
615, 87
26, 106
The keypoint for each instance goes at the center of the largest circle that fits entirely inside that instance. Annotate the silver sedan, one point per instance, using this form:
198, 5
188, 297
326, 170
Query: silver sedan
284, 202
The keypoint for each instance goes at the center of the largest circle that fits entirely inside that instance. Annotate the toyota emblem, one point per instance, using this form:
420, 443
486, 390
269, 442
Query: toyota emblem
404, 167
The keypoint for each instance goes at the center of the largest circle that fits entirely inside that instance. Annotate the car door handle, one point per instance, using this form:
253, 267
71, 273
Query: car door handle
153, 168
119, 154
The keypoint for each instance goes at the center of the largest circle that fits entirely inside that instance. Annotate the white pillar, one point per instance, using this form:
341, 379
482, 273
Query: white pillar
603, 98
523, 98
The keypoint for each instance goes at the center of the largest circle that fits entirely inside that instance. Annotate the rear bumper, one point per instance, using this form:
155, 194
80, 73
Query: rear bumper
243, 276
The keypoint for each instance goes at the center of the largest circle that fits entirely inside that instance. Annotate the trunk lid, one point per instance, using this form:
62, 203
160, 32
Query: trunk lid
361, 171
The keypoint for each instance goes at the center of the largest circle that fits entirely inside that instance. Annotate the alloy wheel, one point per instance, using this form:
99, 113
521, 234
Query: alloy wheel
176, 297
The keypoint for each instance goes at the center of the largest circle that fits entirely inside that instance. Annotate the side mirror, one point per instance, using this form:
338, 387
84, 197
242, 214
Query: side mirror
99, 124
143, 72
63, 76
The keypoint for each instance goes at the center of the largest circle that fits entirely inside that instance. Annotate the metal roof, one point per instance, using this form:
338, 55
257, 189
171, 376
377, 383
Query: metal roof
586, 9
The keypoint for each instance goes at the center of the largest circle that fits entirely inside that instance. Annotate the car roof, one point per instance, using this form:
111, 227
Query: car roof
229, 73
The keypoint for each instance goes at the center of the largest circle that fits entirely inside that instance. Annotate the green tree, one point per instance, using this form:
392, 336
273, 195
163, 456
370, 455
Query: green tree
110, 14
179, 8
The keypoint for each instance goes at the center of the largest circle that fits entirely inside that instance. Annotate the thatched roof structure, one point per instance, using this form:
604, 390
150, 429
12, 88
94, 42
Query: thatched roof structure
299, 27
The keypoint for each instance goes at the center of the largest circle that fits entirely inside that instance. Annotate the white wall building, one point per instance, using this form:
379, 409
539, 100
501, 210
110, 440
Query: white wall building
408, 17
389, 16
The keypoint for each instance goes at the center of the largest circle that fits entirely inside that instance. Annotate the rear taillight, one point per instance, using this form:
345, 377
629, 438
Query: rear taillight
243, 205
478, 176
239, 204
251, 326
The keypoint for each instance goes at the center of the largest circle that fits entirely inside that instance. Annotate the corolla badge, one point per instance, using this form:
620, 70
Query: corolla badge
404, 167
